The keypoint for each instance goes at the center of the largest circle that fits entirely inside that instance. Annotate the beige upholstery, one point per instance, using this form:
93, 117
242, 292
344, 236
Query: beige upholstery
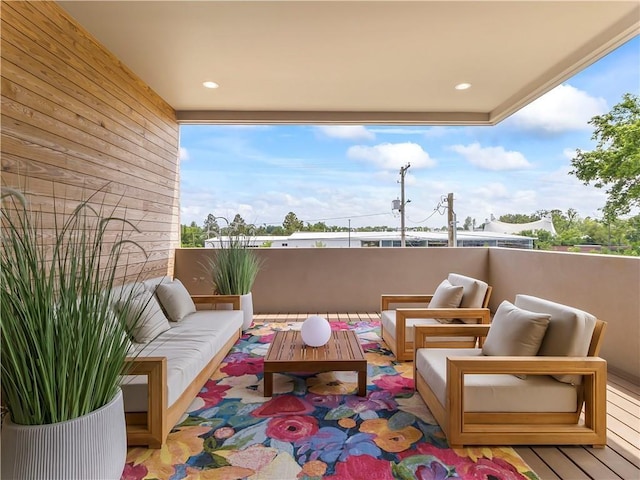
145, 326
515, 331
398, 323
188, 346
481, 400
568, 334
169, 371
474, 290
175, 300
495, 393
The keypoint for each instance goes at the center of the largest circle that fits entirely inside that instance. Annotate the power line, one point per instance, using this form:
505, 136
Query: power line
440, 208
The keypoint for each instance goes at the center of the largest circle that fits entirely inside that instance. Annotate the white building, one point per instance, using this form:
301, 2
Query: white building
465, 238
546, 223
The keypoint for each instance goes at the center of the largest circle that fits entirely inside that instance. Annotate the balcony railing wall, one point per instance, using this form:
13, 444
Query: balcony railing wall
351, 280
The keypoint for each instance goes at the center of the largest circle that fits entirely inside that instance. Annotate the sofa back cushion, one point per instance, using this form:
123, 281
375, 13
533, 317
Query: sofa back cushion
175, 300
143, 316
568, 334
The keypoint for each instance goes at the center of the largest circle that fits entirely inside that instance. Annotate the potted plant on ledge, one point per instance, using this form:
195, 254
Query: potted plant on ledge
235, 266
63, 351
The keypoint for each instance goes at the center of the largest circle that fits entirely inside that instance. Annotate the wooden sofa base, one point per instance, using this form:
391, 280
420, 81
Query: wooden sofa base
152, 427
526, 428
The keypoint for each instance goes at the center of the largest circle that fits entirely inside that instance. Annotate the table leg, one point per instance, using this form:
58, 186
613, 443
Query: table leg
362, 383
268, 384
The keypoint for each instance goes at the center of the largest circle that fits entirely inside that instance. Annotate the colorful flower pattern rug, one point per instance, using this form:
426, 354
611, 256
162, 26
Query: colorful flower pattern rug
315, 426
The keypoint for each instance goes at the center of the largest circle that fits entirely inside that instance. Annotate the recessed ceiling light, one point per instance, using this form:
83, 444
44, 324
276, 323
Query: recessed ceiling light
462, 86
210, 84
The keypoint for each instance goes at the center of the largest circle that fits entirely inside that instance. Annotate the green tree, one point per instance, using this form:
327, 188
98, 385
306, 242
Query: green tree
191, 236
238, 226
468, 223
543, 240
615, 162
291, 223
210, 225
518, 218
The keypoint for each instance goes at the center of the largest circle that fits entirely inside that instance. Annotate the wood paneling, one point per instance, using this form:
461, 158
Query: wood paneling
75, 120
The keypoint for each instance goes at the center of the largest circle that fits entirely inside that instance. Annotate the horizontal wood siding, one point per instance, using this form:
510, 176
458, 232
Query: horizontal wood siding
75, 121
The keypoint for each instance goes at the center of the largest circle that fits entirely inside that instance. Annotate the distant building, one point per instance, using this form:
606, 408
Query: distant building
465, 238
545, 223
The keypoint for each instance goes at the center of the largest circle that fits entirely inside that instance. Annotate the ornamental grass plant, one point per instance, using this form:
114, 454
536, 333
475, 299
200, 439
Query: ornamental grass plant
63, 350
235, 265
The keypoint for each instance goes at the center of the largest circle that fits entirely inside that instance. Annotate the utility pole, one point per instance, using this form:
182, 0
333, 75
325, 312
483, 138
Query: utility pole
451, 222
403, 171
349, 233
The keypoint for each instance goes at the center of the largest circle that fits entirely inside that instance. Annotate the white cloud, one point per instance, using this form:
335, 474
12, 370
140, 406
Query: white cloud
491, 158
391, 156
565, 108
184, 154
346, 132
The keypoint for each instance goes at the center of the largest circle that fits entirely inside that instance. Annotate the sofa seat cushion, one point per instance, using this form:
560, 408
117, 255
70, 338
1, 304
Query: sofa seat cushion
388, 319
188, 345
495, 392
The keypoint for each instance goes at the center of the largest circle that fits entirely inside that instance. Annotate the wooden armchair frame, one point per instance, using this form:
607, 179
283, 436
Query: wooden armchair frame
403, 349
518, 428
152, 427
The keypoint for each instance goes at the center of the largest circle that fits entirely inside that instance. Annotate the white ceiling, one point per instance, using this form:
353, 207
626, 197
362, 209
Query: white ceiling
356, 61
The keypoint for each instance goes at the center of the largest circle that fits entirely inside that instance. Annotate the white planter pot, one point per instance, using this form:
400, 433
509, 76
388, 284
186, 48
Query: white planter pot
93, 446
246, 305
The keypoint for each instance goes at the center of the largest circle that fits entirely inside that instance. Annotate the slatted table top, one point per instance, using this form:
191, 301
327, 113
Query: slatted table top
288, 347
288, 353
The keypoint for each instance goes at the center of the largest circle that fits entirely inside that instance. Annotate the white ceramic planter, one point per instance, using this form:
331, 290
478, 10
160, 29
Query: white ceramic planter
246, 305
93, 446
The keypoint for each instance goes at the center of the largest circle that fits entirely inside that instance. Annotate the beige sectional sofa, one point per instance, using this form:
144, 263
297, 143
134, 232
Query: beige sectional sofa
185, 340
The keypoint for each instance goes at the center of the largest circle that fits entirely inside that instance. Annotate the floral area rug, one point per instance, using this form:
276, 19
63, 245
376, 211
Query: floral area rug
314, 427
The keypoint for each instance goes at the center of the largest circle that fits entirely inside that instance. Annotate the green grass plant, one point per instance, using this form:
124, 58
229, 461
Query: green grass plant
235, 265
63, 349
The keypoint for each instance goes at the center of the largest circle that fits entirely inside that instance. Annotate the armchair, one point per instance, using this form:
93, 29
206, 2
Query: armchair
502, 393
457, 299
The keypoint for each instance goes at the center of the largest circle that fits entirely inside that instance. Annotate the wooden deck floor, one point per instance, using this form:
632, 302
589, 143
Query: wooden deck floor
620, 459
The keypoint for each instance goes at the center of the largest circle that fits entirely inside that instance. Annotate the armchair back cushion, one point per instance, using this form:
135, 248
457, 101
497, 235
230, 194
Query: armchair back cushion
515, 332
474, 292
568, 334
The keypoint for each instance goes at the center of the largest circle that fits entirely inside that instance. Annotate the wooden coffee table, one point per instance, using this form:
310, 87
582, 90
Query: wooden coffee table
288, 353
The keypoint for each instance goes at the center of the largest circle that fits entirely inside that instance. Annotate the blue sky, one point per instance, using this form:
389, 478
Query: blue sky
337, 173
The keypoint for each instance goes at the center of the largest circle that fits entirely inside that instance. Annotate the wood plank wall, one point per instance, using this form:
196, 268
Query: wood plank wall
75, 120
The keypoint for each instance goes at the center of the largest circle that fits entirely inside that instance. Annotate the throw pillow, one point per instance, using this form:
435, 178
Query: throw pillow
515, 332
147, 325
447, 296
175, 300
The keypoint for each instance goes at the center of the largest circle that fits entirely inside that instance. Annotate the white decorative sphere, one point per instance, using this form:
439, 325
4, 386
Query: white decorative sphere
315, 331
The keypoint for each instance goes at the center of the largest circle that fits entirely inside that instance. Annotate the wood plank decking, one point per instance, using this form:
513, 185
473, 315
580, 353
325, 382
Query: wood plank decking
620, 459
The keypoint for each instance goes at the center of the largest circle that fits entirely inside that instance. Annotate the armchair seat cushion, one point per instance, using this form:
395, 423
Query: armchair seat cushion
495, 392
388, 318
